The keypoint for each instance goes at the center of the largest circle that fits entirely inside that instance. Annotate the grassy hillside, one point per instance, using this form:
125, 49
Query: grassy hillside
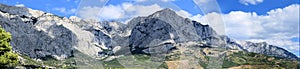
235, 60
253, 60
189, 57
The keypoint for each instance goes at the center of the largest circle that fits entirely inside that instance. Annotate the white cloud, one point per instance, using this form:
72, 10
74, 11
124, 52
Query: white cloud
208, 6
211, 9
277, 27
125, 10
278, 23
183, 13
213, 19
242, 25
167, 0
139, 0
126, 5
20, 5
252, 2
154, 0
111, 12
89, 12
141, 10
65, 11
200, 18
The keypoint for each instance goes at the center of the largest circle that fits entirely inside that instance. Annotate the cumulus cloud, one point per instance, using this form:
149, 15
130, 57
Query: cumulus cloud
125, 10
252, 2
208, 6
106, 12
111, 12
140, 0
89, 12
242, 25
65, 11
157, 0
199, 18
167, 0
122, 11
278, 27
278, 23
20, 5
211, 9
141, 10
183, 13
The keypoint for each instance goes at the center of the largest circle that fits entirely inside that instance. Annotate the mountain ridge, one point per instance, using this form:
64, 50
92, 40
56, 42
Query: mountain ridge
104, 37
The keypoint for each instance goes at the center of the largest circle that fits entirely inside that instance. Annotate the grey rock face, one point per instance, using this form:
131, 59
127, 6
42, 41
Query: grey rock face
264, 48
165, 22
261, 48
144, 33
164, 25
38, 35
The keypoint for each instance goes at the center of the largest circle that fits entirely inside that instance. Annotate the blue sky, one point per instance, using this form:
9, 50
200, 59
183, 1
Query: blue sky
226, 6
272, 21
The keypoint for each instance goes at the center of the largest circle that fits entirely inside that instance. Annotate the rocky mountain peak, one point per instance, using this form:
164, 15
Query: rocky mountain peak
163, 12
168, 10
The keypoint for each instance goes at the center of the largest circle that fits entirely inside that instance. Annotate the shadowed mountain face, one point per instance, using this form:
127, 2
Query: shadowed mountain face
38, 34
145, 33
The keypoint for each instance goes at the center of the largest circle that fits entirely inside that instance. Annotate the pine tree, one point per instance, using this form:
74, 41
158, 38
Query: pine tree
7, 57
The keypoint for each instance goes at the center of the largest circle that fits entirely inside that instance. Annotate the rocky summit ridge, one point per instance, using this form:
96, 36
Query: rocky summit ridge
39, 34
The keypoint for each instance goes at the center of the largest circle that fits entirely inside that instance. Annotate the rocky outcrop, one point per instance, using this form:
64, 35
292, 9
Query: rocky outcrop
164, 25
262, 48
38, 34
43, 35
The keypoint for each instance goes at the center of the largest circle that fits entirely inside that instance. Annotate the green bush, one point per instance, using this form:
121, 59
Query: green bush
7, 57
227, 63
5, 38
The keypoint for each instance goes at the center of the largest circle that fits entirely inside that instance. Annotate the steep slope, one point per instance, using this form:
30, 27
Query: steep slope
166, 25
43, 35
261, 48
35, 33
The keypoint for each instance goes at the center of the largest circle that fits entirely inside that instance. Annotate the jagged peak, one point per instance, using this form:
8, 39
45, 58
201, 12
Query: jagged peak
164, 12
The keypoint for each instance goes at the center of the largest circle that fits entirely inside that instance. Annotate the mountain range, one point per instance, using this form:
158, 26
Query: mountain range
40, 35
